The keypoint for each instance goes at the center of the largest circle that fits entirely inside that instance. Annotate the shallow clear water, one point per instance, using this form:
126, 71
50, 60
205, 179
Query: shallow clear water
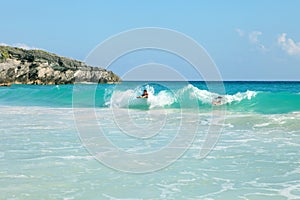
43, 152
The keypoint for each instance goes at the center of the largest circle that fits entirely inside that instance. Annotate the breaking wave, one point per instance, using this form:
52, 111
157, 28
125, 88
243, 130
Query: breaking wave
178, 96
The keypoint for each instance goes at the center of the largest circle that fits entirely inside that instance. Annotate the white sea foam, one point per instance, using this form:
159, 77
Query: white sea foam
18, 176
71, 157
125, 99
240, 96
120, 99
207, 97
243, 155
162, 99
262, 124
288, 191
186, 96
193, 92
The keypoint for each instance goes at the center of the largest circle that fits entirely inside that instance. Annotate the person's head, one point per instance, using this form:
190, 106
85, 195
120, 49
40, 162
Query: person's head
145, 91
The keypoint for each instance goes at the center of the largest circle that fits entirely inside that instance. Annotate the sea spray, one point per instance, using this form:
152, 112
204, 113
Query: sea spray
255, 98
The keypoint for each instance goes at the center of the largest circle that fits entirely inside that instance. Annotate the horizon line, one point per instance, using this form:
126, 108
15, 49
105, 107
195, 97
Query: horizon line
211, 80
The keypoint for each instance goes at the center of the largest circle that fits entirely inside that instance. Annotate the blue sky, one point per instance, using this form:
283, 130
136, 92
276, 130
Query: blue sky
248, 40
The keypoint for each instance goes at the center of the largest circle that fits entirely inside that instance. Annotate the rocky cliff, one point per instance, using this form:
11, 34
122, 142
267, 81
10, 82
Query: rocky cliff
20, 66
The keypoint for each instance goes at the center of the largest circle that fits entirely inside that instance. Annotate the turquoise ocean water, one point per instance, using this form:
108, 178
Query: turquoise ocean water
42, 154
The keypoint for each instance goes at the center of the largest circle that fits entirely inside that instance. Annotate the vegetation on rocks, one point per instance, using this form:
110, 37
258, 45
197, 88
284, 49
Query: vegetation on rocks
20, 66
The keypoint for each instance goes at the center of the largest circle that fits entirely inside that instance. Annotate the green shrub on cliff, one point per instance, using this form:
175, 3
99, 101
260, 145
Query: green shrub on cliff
4, 55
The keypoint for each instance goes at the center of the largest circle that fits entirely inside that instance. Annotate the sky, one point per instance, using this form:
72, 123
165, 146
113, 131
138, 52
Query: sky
247, 40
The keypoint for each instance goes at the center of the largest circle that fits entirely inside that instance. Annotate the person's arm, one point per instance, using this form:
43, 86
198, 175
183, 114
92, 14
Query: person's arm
143, 96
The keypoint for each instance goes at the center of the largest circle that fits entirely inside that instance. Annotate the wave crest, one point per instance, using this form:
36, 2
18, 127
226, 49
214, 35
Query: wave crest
166, 98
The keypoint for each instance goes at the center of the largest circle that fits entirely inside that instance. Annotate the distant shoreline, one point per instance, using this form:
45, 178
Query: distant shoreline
147, 81
226, 81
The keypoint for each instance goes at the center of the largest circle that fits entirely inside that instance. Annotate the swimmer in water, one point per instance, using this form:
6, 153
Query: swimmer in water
217, 101
144, 95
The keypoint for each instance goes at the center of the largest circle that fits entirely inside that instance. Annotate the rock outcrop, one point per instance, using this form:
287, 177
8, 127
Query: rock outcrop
20, 66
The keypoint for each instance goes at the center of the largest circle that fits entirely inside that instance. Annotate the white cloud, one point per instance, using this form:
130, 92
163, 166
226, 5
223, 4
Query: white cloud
19, 45
253, 38
288, 45
240, 32
3, 44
